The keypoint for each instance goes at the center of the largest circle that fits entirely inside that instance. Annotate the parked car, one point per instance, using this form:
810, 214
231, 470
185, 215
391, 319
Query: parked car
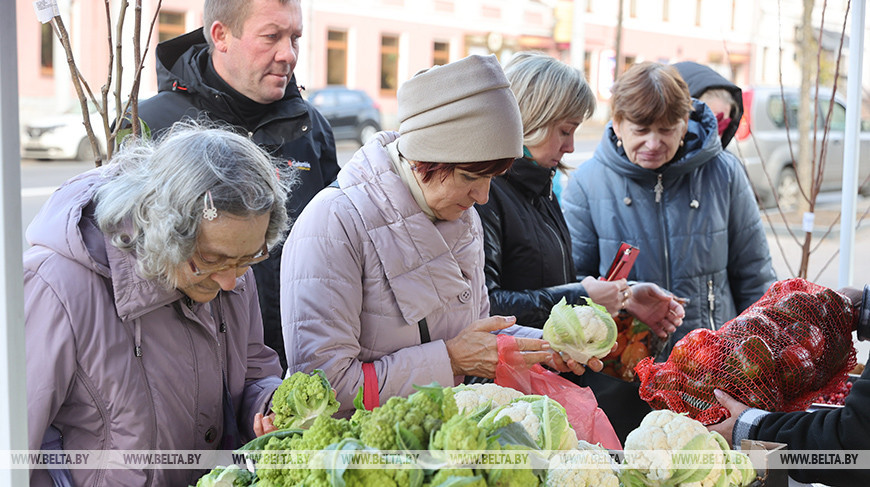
352, 114
62, 136
762, 137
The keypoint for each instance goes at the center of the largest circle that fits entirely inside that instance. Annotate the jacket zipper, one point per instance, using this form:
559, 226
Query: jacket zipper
659, 189
711, 302
149, 474
222, 336
561, 249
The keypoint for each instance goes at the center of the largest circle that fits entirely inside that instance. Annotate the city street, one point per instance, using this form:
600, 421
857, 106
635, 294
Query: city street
40, 178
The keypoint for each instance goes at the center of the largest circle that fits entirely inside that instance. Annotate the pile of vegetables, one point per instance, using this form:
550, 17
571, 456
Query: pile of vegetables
481, 418
670, 449
792, 345
634, 342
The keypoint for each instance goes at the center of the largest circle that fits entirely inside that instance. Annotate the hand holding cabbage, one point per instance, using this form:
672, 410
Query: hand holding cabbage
580, 332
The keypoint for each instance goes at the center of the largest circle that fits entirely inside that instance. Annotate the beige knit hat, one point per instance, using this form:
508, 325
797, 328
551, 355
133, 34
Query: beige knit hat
460, 112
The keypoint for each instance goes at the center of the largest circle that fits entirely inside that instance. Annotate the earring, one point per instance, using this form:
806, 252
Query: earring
682, 141
618, 142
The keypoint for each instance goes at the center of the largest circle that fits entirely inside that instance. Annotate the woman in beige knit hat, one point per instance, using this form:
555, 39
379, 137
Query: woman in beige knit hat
382, 276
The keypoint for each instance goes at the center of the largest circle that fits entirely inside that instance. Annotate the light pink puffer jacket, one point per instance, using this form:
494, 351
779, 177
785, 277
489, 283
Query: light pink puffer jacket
362, 266
85, 305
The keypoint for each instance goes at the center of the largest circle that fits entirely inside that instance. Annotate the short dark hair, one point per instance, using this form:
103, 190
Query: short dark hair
650, 92
428, 170
231, 13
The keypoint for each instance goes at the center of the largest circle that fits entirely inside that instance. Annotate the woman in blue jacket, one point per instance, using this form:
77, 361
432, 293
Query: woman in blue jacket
661, 181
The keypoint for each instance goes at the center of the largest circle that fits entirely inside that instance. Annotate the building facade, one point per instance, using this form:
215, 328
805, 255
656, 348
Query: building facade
375, 45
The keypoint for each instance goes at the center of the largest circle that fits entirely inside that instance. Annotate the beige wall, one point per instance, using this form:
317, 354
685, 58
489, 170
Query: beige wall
85, 20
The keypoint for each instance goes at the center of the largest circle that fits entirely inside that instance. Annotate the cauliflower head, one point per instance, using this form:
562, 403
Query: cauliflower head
581, 332
231, 476
473, 398
544, 419
653, 447
586, 466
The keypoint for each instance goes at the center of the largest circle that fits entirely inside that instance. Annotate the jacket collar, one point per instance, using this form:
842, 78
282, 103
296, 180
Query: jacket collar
422, 260
181, 62
701, 145
529, 177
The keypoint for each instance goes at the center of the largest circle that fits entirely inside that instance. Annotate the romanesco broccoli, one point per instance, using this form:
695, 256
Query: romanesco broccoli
301, 398
459, 433
448, 475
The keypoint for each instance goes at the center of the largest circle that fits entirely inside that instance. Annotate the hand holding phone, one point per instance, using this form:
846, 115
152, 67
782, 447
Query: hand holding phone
622, 262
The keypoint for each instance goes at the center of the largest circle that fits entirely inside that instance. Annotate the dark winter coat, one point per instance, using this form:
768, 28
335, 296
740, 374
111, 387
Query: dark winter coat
291, 130
527, 245
695, 221
846, 428
701, 78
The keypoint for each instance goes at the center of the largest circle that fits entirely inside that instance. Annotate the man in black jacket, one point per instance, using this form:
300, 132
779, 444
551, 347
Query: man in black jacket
846, 428
238, 70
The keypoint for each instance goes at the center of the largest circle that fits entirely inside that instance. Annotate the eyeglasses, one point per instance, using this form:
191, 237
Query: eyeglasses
206, 268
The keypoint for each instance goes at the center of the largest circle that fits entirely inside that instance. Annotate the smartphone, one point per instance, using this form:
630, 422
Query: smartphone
622, 262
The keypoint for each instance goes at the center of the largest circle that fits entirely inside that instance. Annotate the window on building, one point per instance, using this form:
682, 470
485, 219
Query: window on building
666, 10
46, 50
440, 53
389, 64
170, 25
697, 13
336, 57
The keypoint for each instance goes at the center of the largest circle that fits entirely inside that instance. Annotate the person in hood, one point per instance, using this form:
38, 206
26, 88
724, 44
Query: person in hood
142, 324
382, 277
528, 248
723, 97
660, 181
238, 70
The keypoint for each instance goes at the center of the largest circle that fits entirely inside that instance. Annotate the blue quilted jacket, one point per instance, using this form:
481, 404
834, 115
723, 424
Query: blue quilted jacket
695, 221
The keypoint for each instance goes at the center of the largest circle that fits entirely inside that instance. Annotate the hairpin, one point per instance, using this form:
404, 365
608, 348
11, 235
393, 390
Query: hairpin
209, 212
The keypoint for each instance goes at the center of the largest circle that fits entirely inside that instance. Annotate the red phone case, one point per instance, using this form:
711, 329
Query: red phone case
622, 263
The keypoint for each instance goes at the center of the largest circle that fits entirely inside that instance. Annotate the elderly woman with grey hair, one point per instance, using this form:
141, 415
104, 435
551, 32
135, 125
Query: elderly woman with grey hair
382, 282
142, 324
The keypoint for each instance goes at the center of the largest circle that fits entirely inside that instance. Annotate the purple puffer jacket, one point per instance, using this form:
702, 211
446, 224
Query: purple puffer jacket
87, 309
362, 266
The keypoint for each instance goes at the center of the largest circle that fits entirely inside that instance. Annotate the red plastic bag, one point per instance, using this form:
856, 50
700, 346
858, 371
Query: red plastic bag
588, 420
792, 345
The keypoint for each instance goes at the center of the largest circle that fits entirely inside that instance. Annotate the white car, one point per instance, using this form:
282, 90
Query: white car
62, 136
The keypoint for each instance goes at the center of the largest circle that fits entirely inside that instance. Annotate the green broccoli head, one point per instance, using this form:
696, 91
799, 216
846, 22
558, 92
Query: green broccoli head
406, 423
301, 398
500, 476
460, 433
